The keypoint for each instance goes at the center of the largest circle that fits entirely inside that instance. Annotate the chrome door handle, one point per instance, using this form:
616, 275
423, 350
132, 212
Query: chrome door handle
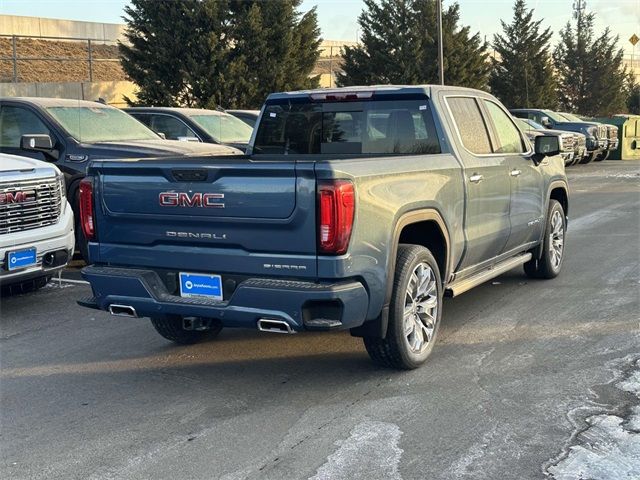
515, 173
476, 178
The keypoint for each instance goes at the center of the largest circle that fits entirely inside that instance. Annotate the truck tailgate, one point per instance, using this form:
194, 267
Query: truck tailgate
211, 214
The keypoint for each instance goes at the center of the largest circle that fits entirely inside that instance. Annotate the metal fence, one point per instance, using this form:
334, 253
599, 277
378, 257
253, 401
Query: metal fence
90, 58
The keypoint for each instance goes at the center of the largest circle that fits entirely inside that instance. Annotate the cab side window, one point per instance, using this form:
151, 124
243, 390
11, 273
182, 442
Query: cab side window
470, 124
508, 135
18, 121
172, 128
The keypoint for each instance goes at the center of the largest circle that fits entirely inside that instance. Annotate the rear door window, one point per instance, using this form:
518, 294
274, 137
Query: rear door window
361, 127
470, 124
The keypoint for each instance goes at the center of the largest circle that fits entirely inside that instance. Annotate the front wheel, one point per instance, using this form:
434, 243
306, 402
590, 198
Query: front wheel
172, 328
603, 156
589, 158
550, 263
414, 313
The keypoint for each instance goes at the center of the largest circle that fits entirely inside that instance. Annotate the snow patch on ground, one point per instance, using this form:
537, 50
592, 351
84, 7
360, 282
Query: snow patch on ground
609, 447
371, 451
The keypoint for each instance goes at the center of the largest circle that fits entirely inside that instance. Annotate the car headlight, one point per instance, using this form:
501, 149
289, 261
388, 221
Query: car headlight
61, 184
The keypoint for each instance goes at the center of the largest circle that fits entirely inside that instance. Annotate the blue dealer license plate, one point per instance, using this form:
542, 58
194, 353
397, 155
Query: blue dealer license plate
21, 258
199, 285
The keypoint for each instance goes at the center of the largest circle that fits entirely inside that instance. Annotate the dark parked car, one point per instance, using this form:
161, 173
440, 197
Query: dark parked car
70, 133
573, 145
250, 117
612, 136
194, 125
596, 133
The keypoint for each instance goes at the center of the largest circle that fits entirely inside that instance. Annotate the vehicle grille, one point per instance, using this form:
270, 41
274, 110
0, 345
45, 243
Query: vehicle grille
581, 140
568, 143
613, 133
602, 131
40, 210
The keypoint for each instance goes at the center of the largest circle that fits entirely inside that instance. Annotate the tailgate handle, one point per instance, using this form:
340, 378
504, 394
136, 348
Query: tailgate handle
199, 175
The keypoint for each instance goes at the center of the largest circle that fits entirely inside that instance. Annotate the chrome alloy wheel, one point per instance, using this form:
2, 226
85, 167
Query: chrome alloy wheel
420, 308
556, 240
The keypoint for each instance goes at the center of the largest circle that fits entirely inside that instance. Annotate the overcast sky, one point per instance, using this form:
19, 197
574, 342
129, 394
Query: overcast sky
338, 18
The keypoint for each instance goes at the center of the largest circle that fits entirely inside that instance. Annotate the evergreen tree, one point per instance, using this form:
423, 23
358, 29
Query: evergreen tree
633, 100
208, 53
399, 45
175, 51
592, 78
523, 75
275, 49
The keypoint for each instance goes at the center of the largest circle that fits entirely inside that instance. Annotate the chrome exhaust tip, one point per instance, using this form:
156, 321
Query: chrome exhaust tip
122, 311
274, 326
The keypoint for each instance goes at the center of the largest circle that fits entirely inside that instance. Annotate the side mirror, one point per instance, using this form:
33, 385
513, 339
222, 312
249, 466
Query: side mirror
162, 135
546, 123
545, 146
38, 143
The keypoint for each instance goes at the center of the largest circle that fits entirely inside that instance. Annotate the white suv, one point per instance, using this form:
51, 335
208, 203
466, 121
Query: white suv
36, 223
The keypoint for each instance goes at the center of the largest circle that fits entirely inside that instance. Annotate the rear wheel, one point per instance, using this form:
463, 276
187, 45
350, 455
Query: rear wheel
172, 328
550, 263
414, 313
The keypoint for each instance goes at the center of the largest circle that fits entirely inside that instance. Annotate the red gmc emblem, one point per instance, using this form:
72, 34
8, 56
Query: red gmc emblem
17, 197
184, 199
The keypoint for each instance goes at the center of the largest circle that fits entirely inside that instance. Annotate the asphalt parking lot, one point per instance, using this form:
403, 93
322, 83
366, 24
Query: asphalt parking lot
529, 378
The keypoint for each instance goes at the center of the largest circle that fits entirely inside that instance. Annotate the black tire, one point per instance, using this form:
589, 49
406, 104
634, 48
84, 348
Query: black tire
27, 286
588, 159
603, 156
171, 329
547, 266
394, 351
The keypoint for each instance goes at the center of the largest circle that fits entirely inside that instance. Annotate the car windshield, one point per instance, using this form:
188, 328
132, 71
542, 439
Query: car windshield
571, 117
556, 117
524, 124
533, 124
224, 128
100, 124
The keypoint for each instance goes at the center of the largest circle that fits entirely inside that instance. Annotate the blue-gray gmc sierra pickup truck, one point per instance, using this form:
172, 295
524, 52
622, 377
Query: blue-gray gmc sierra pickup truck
355, 208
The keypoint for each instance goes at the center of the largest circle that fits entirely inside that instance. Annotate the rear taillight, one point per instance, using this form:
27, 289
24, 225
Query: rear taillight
336, 201
87, 219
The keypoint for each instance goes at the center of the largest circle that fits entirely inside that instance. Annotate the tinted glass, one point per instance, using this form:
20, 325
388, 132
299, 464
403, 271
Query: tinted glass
15, 122
368, 127
470, 123
173, 128
224, 128
509, 138
100, 124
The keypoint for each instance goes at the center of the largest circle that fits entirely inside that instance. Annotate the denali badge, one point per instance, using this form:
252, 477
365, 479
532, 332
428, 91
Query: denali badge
17, 197
207, 236
183, 199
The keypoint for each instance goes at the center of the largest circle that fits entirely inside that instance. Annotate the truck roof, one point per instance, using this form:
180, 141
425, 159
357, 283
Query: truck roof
428, 90
187, 112
56, 102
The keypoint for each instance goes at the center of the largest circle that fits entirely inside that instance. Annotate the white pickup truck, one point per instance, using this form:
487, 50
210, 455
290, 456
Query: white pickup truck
36, 223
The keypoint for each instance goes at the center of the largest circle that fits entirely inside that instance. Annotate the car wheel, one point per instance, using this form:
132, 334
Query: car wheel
550, 263
172, 329
588, 159
414, 312
603, 156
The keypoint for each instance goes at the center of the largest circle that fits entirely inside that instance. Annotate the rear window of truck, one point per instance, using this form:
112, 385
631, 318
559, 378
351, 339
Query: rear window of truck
348, 127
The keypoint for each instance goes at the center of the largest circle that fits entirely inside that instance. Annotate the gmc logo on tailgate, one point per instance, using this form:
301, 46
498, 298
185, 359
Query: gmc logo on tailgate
17, 197
184, 199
